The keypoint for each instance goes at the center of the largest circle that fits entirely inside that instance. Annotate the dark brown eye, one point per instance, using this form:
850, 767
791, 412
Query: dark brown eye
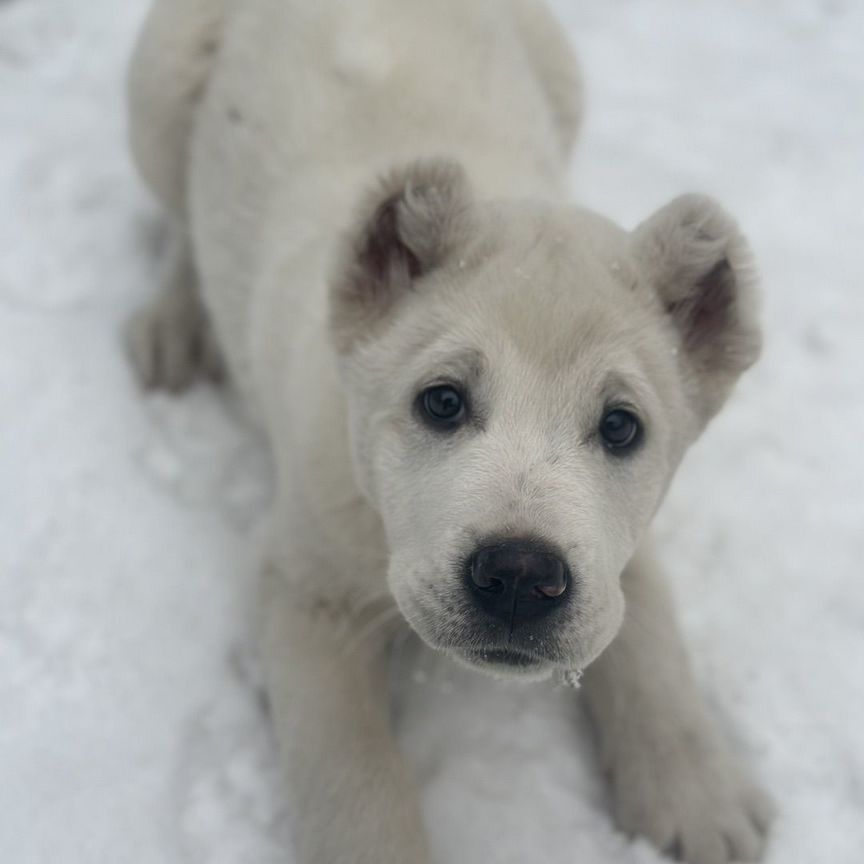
620, 430
442, 406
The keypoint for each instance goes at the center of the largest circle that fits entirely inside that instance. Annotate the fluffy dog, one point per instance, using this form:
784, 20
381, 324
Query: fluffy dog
476, 394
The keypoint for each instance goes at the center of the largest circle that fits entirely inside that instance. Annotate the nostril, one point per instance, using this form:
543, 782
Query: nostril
485, 578
484, 575
554, 581
492, 584
550, 590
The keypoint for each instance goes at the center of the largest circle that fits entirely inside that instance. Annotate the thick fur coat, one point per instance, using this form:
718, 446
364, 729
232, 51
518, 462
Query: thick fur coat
476, 393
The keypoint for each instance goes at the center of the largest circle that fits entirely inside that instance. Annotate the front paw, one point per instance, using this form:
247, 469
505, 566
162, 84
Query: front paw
691, 799
171, 344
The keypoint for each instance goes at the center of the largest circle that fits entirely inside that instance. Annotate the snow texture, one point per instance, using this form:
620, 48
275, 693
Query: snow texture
131, 727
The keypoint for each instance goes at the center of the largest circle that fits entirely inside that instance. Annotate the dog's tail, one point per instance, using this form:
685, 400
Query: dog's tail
167, 77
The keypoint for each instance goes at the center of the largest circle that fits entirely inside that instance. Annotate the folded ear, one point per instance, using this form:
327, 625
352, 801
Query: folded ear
701, 268
405, 228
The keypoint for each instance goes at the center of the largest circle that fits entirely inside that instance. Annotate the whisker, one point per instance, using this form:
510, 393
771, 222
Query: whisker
378, 622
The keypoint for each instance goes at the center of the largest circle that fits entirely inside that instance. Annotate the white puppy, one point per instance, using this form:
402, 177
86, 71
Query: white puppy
476, 394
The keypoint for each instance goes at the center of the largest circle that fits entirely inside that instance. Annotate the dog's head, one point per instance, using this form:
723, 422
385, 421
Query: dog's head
522, 381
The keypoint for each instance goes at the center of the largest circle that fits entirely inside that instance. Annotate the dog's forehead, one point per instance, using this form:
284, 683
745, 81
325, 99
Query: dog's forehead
544, 293
547, 241
558, 288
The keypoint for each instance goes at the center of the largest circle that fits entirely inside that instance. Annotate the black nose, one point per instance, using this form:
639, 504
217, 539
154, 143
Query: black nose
516, 580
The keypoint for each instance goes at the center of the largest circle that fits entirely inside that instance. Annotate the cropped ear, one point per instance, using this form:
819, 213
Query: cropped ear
405, 228
701, 268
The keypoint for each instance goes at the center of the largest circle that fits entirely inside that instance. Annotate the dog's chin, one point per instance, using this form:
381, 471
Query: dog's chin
505, 663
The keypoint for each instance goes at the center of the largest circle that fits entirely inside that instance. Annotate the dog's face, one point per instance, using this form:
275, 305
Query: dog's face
522, 382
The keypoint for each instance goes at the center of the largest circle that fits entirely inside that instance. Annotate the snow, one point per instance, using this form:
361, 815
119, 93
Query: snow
132, 727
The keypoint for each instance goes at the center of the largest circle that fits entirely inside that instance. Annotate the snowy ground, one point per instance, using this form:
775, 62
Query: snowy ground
130, 730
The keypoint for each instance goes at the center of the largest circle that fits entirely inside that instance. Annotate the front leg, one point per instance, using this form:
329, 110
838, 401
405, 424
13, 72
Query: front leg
673, 777
325, 672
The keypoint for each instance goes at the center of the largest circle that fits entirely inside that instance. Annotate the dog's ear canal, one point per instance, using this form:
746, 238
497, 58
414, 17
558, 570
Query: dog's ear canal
700, 266
406, 227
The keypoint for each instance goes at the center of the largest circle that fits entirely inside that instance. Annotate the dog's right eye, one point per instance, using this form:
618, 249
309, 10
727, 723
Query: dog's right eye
442, 406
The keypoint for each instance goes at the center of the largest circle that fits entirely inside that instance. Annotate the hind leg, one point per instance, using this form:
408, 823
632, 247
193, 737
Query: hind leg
171, 342
168, 75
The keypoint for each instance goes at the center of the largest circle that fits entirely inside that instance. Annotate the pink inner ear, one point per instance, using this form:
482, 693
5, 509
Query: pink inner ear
384, 254
706, 312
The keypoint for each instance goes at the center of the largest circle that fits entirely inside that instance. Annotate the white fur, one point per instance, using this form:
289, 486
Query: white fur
263, 127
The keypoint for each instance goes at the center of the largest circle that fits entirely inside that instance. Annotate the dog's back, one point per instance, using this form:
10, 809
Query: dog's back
279, 112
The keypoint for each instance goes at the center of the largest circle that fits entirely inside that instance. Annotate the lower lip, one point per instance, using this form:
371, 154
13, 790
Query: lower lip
502, 657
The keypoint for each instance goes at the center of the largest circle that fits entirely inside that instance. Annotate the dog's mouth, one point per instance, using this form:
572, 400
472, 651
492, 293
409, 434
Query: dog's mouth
530, 651
501, 657
508, 662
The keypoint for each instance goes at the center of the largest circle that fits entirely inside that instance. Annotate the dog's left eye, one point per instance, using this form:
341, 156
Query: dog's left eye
620, 430
442, 406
